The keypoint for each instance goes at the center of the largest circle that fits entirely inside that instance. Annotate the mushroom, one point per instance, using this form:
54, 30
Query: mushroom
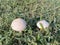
42, 24
18, 24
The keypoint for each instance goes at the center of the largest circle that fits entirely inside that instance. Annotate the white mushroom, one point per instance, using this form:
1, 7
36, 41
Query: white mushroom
44, 23
18, 24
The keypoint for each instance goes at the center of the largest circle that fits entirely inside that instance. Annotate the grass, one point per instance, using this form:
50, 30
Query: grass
32, 11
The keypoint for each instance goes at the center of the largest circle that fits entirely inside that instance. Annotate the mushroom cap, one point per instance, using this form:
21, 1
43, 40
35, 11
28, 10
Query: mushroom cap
44, 23
18, 24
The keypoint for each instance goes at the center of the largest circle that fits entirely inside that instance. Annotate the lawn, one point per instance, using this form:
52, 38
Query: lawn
31, 11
